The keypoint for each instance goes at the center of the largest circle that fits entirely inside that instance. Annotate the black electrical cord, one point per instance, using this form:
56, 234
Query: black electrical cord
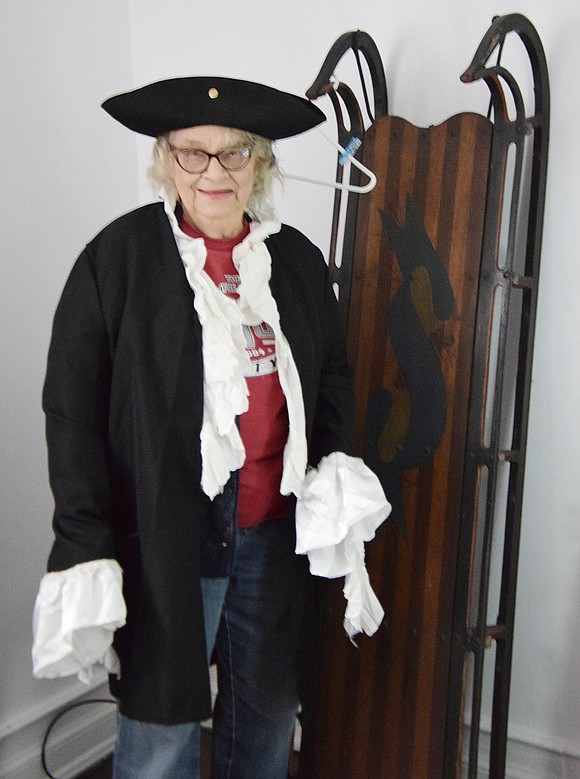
57, 718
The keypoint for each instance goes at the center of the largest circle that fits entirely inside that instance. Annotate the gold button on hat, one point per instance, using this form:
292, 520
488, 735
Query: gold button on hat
213, 93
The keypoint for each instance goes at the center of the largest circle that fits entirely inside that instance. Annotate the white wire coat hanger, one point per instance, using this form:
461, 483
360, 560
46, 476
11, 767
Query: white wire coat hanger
346, 158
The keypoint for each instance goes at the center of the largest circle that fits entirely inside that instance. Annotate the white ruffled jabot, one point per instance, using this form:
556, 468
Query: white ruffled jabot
225, 358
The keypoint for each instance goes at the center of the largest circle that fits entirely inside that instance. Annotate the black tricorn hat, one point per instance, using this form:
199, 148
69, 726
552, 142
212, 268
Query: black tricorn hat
176, 103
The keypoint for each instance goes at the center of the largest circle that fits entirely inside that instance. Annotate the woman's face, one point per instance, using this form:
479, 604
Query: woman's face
214, 201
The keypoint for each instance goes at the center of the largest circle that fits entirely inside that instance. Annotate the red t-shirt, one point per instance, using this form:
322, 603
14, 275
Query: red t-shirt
264, 427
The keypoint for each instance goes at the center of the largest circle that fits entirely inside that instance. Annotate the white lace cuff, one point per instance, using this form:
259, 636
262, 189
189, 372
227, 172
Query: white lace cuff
341, 505
75, 615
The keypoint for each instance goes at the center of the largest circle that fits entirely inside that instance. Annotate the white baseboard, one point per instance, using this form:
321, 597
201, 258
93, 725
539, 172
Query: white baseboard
81, 739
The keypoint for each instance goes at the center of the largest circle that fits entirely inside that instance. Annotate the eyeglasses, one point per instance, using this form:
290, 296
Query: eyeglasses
197, 161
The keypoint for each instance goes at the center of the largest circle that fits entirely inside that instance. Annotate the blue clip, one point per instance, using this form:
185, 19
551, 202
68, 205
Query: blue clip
349, 150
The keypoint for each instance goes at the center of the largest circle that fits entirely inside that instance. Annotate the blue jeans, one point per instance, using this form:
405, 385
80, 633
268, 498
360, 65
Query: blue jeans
252, 621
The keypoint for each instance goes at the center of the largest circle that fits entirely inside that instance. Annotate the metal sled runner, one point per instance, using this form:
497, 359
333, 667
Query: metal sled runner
437, 281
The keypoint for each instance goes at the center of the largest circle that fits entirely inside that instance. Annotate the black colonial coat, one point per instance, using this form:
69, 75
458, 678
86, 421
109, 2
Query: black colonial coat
123, 401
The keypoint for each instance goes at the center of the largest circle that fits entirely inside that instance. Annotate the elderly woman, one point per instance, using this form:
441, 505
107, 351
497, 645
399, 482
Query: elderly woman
196, 370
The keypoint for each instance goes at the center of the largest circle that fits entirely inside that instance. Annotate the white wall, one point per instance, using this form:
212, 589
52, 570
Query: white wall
68, 169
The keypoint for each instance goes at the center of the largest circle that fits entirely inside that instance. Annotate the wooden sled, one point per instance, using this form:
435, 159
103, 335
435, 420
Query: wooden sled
437, 282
